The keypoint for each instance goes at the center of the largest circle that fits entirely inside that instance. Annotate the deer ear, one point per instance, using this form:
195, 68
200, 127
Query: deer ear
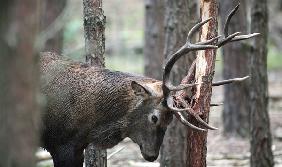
140, 90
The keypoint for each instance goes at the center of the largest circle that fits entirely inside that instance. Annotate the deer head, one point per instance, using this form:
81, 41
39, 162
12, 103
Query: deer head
149, 119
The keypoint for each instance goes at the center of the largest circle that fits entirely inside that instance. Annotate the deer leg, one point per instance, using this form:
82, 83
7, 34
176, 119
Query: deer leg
67, 156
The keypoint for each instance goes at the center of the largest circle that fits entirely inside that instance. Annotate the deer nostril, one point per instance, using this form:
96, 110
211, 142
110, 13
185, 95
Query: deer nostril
151, 158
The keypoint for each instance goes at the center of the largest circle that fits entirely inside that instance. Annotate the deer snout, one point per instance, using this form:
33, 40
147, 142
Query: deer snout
149, 155
150, 158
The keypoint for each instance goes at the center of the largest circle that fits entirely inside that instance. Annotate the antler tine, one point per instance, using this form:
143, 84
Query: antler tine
174, 109
187, 47
243, 37
182, 119
204, 123
180, 116
229, 17
230, 81
181, 86
208, 41
200, 120
196, 28
227, 39
235, 36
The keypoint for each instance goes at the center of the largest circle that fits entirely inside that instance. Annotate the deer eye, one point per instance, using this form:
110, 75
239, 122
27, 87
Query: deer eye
154, 119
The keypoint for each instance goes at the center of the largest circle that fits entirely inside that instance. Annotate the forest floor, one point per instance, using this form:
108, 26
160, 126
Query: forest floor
222, 151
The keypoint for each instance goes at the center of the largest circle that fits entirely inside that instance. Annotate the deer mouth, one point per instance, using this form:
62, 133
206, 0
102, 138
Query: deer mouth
147, 157
150, 158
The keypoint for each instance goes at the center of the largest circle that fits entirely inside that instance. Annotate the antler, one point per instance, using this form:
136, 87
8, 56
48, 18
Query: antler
170, 100
235, 36
232, 38
187, 47
168, 88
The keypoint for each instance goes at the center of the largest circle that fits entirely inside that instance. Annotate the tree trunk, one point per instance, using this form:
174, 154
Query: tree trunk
235, 60
50, 10
19, 110
205, 63
180, 16
94, 34
154, 38
261, 142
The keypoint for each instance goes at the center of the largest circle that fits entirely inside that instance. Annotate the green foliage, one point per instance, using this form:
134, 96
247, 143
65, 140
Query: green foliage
129, 63
73, 27
274, 58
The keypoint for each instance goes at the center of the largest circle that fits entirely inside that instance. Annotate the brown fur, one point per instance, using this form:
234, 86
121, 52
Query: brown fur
86, 104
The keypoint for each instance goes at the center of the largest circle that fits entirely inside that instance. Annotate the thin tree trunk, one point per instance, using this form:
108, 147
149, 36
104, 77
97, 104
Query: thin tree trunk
94, 33
180, 16
19, 110
50, 10
154, 38
261, 142
235, 60
205, 63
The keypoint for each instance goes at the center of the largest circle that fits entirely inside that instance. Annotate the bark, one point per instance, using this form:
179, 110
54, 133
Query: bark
205, 62
261, 142
154, 38
235, 60
95, 157
180, 16
94, 34
19, 111
50, 10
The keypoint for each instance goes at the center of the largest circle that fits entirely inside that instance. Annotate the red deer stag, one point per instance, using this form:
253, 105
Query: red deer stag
86, 104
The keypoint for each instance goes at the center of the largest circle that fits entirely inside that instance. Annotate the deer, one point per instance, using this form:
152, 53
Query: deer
86, 104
